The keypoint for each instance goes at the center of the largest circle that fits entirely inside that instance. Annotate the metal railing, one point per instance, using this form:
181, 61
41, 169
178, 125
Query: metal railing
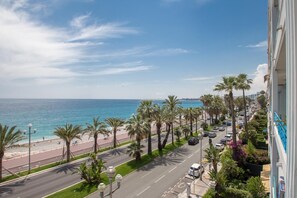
282, 130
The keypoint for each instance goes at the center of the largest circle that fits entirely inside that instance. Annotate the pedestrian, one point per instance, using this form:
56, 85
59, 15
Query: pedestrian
43, 138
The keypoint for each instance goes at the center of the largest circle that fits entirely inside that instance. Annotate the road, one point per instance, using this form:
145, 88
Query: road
164, 172
48, 182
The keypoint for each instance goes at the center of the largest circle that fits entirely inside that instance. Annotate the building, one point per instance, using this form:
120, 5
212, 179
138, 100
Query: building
282, 96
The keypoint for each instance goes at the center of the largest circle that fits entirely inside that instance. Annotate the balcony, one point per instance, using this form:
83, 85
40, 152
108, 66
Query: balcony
282, 130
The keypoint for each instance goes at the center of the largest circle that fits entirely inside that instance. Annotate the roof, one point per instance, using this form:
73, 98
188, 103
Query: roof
195, 165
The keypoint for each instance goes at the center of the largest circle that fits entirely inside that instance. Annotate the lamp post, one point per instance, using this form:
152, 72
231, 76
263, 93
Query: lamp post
101, 188
110, 173
118, 179
201, 138
29, 133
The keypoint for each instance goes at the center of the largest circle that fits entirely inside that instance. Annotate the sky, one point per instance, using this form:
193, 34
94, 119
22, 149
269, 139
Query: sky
129, 49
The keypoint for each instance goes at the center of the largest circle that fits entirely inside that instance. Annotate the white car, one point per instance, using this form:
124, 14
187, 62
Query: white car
228, 137
220, 147
194, 170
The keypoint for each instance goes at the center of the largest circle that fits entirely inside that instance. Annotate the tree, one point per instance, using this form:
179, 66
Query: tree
146, 110
255, 186
206, 100
197, 114
189, 115
243, 83
228, 85
172, 102
96, 128
8, 137
68, 133
114, 123
212, 156
138, 128
135, 150
262, 101
158, 118
92, 173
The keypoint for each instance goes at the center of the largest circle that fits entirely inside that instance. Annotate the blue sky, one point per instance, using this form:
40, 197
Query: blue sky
129, 48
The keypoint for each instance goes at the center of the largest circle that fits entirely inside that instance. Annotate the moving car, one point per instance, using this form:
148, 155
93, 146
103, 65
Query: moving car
194, 170
193, 141
212, 135
221, 128
220, 147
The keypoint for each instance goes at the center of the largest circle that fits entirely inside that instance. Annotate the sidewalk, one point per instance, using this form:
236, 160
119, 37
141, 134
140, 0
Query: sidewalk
198, 187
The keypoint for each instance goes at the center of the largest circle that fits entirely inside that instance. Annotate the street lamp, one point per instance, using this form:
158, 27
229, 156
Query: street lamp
201, 138
118, 178
29, 133
101, 188
110, 173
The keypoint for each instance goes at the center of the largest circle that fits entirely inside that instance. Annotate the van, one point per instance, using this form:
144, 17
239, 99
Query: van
195, 169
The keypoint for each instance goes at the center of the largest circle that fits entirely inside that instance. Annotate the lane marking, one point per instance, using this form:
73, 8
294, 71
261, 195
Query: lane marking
159, 179
190, 156
143, 191
172, 169
146, 174
183, 161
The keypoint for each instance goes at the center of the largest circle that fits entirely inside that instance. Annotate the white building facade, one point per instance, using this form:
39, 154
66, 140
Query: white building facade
282, 97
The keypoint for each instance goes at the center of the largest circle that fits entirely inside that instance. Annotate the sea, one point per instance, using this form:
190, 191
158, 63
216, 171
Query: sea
47, 114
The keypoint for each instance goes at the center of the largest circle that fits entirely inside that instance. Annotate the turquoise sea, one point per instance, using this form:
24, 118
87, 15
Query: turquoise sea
47, 114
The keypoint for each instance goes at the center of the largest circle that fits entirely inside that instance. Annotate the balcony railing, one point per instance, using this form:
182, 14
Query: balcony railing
282, 130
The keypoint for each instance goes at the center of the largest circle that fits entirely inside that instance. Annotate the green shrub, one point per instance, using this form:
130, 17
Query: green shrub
210, 193
204, 125
255, 186
233, 192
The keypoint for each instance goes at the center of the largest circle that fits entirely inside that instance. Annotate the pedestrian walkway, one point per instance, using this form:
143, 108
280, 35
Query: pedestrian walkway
197, 187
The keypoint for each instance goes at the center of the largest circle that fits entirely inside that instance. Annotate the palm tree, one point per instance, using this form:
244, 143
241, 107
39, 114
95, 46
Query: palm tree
146, 109
190, 115
206, 100
167, 117
197, 114
180, 111
244, 84
68, 133
138, 128
135, 150
114, 123
8, 137
158, 118
228, 85
95, 129
213, 156
172, 102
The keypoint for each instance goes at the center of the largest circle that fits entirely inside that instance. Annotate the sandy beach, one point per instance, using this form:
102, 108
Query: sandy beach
21, 150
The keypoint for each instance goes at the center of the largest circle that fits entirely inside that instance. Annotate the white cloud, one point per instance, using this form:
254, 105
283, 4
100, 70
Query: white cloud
79, 21
258, 80
200, 78
121, 70
262, 44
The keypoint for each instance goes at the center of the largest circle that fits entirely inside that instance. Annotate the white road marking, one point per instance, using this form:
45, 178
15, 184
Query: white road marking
143, 191
172, 169
159, 178
190, 156
146, 174
183, 161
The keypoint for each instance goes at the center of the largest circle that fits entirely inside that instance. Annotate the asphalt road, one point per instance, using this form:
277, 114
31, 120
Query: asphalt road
49, 182
164, 172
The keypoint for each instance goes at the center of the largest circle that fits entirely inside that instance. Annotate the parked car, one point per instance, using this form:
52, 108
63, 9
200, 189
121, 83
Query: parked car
216, 128
229, 123
220, 147
223, 141
194, 170
228, 137
221, 128
193, 141
205, 133
212, 135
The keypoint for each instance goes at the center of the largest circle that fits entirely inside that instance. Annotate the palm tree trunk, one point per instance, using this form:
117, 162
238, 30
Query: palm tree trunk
167, 135
114, 138
172, 134
138, 155
159, 137
191, 124
180, 120
68, 151
1, 158
95, 143
233, 119
196, 125
149, 141
245, 120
